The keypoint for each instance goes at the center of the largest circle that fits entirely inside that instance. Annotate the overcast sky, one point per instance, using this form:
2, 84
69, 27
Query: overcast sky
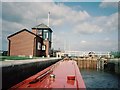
78, 26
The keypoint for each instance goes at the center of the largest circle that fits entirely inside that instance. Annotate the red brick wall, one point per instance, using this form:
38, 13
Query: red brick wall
46, 43
48, 47
39, 52
21, 44
34, 31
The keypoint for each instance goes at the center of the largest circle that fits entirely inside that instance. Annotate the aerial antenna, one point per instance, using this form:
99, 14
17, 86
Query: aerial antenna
36, 20
64, 45
48, 19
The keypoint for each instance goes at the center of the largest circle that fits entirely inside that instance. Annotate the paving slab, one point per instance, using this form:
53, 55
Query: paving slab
19, 62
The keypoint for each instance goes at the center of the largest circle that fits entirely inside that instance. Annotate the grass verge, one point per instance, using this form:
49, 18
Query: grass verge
2, 58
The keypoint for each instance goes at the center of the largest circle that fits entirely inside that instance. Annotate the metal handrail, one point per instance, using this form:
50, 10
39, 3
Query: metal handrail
39, 78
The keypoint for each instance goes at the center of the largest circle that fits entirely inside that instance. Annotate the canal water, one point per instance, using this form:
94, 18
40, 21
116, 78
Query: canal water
100, 80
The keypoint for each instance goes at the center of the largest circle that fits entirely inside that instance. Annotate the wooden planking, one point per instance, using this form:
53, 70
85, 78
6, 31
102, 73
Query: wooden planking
86, 63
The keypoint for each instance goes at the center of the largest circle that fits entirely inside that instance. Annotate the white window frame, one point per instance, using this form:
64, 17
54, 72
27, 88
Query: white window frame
43, 47
38, 46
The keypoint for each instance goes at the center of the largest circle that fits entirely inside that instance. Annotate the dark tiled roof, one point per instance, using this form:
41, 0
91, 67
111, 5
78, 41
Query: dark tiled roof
22, 31
42, 27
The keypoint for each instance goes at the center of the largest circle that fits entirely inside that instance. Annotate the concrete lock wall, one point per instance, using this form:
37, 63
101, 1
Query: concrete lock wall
114, 64
12, 75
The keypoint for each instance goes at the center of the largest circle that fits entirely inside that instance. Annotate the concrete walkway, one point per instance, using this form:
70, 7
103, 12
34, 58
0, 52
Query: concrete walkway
19, 62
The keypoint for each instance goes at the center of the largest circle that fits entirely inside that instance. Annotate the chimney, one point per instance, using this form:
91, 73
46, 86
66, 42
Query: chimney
34, 31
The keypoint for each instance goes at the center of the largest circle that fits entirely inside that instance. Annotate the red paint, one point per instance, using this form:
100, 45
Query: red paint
63, 74
71, 77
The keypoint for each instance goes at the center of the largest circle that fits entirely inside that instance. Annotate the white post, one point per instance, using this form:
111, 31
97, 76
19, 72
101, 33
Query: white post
48, 19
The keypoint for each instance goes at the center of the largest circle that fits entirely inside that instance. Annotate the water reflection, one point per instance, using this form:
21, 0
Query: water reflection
100, 79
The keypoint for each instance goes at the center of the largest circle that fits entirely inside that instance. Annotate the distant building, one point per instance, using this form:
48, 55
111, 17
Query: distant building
35, 43
3, 53
60, 54
91, 54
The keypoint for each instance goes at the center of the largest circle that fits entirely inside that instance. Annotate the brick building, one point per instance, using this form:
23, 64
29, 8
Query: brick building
35, 43
45, 33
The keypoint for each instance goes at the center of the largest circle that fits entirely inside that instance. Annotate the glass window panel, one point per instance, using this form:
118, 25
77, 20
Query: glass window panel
43, 47
39, 32
39, 46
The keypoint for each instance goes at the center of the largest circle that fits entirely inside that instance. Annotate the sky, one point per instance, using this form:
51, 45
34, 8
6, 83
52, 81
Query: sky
77, 26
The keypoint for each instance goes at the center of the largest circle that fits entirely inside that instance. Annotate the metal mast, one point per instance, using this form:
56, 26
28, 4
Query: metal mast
48, 19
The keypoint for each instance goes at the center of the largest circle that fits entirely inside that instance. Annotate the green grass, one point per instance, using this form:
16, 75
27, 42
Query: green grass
2, 58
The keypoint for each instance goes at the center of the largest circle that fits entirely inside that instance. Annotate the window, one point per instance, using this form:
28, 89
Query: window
39, 32
39, 46
50, 36
45, 34
43, 47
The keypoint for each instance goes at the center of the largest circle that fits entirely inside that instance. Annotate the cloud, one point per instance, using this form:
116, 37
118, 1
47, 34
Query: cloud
10, 28
108, 23
110, 0
27, 1
98, 25
58, 42
72, 23
87, 28
66, 14
37, 13
83, 41
59, 13
95, 45
107, 39
109, 3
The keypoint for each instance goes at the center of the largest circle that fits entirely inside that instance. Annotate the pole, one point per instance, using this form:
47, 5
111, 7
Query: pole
48, 19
